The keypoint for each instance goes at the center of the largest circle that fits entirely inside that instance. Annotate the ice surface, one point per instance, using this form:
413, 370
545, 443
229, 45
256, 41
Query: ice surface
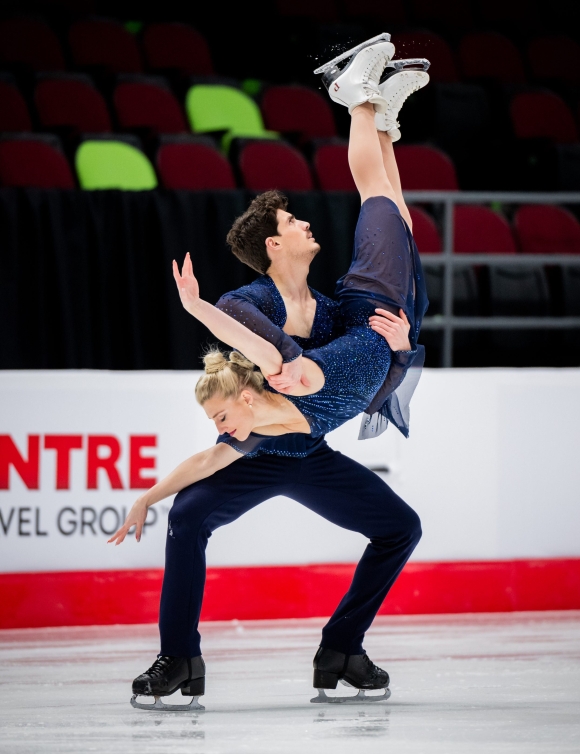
460, 684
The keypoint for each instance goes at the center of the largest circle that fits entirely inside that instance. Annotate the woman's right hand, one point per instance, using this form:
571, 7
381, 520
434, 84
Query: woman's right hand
187, 284
136, 517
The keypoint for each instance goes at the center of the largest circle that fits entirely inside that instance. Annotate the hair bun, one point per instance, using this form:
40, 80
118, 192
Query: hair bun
214, 361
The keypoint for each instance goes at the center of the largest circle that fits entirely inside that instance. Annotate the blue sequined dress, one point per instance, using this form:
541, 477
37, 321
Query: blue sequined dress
361, 375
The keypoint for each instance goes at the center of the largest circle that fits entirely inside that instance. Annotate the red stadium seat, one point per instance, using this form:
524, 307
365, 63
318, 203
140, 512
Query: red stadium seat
105, 44
426, 44
193, 167
545, 229
177, 46
332, 169
13, 111
479, 230
537, 115
273, 165
34, 162
491, 55
555, 57
296, 109
71, 100
425, 232
425, 169
32, 43
147, 104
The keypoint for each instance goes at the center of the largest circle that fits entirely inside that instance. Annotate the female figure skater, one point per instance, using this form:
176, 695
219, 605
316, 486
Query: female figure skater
342, 379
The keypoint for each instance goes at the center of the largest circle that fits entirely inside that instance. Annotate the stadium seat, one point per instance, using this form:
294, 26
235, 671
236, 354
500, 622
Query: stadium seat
71, 100
224, 108
298, 110
177, 47
31, 43
148, 103
425, 169
546, 229
543, 115
35, 161
555, 58
14, 114
194, 167
106, 44
426, 44
428, 240
273, 165
332, 168
425, 231
113, 165
479, 230
491, 55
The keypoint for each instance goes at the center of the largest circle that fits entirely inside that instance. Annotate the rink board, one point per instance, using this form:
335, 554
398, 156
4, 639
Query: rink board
491, 467
118, 597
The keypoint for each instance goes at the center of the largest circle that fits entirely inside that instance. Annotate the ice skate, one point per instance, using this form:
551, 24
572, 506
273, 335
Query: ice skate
358, 81
356, 671
167, 675
397, 87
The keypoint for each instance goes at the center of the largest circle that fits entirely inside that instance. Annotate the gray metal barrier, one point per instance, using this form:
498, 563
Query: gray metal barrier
446, 321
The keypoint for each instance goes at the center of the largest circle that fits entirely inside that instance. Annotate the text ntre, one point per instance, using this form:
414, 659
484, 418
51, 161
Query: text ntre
102, 455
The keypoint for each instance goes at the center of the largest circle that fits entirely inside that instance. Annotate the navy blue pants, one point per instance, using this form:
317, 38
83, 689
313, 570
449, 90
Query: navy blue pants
327, 482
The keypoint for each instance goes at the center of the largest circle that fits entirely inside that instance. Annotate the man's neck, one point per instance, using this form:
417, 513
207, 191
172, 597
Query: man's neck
291, 281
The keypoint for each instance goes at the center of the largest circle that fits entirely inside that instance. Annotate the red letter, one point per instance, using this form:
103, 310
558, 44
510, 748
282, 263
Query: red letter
137, 462
63, 444
94, 462
10, 456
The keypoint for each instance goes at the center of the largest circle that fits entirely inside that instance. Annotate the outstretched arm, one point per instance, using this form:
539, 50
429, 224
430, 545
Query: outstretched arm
199, 466
256, 349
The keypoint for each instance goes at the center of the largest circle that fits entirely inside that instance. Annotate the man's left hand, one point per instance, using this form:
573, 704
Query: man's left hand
290, 376
395, 330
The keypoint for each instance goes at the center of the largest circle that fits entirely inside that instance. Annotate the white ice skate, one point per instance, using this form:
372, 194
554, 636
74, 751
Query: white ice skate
358, 81
398, 86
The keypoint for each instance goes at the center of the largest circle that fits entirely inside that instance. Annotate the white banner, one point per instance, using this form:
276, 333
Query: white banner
491, 467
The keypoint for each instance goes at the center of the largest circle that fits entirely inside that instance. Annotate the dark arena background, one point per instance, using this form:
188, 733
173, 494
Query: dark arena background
133, 133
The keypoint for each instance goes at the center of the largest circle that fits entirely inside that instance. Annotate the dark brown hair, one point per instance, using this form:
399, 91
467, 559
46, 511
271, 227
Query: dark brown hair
249, 232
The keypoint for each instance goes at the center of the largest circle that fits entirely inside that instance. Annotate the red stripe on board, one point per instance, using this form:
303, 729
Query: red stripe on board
105, 597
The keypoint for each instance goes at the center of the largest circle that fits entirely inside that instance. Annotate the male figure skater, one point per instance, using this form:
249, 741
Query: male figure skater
279, 305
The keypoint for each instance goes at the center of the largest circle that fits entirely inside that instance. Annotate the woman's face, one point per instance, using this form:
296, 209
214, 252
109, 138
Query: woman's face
232, 415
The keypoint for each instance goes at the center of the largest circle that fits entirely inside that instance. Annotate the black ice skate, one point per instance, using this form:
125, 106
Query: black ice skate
167, 675
357, 671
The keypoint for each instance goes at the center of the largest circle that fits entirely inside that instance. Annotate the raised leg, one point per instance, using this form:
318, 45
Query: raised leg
365, 155
390, 165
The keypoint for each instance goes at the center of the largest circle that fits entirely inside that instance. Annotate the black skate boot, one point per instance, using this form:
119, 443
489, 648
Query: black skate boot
357, 671
166, 675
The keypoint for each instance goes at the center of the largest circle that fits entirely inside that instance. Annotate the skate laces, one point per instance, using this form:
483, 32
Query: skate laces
159, 666
375, 670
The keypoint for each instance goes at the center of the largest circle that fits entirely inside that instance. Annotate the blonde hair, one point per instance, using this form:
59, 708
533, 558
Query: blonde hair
227, 374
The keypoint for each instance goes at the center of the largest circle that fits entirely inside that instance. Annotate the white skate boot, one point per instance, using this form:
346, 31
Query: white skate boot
358, 81
395, 90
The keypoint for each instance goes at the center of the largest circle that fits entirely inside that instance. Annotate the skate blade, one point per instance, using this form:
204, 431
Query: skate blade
360, 698
384, 37
412, 63
193, 706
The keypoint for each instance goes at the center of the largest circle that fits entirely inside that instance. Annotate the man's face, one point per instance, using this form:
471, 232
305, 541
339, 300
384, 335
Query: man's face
294, 238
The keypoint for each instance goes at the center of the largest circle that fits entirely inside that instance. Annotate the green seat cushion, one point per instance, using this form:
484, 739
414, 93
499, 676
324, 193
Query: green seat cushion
224, 108
113, 165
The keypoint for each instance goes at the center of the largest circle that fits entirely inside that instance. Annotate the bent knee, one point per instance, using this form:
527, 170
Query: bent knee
414, 527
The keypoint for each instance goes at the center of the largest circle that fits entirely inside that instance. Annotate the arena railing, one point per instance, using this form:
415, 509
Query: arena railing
449, 260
